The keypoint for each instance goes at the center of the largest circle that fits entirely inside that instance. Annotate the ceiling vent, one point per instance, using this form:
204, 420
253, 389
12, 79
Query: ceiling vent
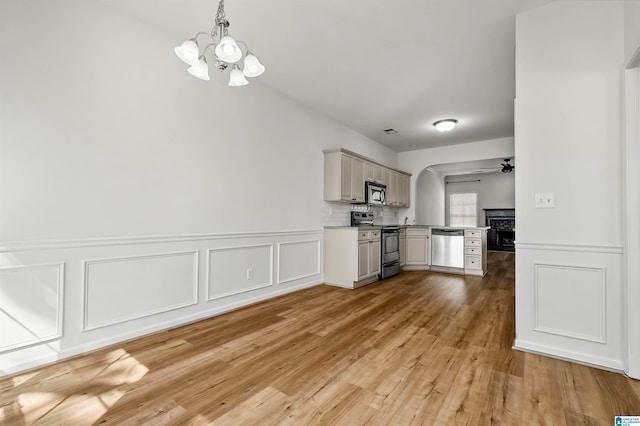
390, 131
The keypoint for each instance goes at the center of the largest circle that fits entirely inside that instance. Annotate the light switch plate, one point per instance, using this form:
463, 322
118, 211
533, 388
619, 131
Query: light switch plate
545, 200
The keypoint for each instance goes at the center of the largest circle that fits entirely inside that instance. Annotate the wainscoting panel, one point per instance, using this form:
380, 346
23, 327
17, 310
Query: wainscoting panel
556, 307
127, 288
235, 270
569, 302
31, 305
120, 288
298, 260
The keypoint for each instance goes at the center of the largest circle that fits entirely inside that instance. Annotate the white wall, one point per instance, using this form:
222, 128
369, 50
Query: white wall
415, 162
568, 139
495, 191
117, 166
429, 198
631, 29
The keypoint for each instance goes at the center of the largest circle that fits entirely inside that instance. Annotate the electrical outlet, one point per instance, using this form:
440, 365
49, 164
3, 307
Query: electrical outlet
545, 200
331, 211
249, 274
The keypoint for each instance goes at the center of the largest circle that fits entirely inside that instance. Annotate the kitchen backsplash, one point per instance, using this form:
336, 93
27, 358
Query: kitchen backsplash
339, 214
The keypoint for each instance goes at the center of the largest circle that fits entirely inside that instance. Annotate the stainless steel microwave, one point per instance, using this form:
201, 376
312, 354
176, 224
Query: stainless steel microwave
375, 193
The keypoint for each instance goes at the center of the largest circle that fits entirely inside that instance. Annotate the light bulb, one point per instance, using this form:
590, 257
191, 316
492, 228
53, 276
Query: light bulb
188, 52
252, 66
200, 69
228, 51
237, 78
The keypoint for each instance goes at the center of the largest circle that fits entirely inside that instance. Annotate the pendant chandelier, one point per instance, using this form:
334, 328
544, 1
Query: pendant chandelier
226, 52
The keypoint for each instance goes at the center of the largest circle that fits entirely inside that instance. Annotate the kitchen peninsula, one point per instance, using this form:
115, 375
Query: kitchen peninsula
461, 250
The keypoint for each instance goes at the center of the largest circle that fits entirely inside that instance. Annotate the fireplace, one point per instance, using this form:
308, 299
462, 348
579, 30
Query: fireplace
502, 233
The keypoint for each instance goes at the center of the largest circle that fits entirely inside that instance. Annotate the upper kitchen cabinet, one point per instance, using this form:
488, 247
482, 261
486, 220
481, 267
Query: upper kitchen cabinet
346, 172
398, 189
343, 177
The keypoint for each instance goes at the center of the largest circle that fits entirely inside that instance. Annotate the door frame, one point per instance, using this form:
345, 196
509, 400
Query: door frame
631, 214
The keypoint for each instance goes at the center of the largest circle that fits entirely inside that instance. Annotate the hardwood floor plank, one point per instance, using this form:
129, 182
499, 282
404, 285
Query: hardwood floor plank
420, 348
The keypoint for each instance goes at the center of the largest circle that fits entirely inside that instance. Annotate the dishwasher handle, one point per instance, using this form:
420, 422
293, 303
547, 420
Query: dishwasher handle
448, 232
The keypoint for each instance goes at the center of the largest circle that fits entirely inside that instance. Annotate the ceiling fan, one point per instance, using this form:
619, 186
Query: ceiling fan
506, 167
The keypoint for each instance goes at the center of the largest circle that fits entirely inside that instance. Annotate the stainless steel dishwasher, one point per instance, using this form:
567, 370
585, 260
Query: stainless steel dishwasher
447, 249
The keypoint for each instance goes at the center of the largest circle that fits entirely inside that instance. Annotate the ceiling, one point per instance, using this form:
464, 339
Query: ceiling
373, 64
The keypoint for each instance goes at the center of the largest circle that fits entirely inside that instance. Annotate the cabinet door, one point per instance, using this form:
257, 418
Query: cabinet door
377, 173
368, 171
403, 251
407, 193
363, 260
386, 177
345, 178
374, 257
392, 194
417, 250
403, 190
357, 179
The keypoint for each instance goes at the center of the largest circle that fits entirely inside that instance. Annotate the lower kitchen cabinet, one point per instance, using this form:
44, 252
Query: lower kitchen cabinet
403, 246
475, 252
369, 257
418, 244
351, 256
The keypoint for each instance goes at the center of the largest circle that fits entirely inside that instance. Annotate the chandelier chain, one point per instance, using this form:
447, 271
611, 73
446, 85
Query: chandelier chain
220, 19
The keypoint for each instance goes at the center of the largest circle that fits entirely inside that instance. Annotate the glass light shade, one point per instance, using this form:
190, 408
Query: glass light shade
228, 51
200, 69
445, 125
237, 78
188, 52
252, 66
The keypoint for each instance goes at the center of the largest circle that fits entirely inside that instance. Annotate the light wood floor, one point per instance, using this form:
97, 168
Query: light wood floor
420, 348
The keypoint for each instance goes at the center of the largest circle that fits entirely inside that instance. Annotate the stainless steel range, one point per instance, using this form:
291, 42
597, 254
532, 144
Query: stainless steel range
390, 243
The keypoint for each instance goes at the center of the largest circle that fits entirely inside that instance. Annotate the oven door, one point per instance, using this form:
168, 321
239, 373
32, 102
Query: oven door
390, 246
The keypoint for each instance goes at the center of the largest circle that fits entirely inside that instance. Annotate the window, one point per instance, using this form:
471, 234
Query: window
463, 209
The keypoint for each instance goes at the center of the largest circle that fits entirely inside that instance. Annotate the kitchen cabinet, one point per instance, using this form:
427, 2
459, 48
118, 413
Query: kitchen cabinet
404, 190
403, 246
418, 243
475, 252
343, 177
372, 172
368, 254
346, 172
351, 256
393, 198
398, 190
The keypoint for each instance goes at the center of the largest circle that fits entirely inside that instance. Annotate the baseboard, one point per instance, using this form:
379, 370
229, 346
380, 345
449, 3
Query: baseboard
608, 364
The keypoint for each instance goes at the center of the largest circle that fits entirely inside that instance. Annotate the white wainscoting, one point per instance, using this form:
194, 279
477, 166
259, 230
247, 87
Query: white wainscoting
298, 260
569, 300
31, 305
116, 289
229, 267
558, 311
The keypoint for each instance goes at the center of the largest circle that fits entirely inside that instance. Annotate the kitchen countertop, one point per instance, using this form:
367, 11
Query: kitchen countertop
373, 227
460, 227
407, 226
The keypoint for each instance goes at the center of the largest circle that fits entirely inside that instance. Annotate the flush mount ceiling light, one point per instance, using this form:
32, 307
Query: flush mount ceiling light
446, 124
226, 52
